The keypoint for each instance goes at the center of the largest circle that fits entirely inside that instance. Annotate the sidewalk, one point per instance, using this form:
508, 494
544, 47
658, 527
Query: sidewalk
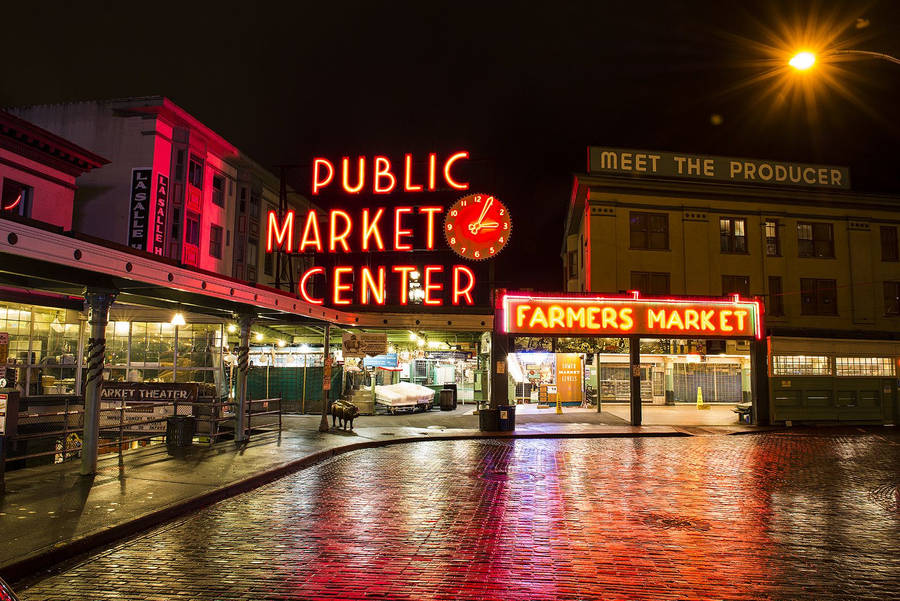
50, 513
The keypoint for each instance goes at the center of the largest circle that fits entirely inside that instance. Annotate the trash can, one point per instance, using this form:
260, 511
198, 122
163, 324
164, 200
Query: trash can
446, 400
453, 388
180, 430
489, 420
507, 418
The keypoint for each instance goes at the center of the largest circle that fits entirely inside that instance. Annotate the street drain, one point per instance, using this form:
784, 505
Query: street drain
673, 522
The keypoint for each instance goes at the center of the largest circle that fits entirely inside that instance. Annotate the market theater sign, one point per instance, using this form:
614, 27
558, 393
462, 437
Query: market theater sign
629, 315
476, 227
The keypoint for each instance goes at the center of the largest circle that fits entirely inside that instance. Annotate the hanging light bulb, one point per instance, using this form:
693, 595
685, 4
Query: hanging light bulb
178, 319
232, 328
258, 337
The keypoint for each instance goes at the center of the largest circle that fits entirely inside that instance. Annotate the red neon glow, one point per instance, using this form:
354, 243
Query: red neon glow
404, 271
302, 286
399, 232
15, 203
333, 237
340, 288
428, 287
319, 182
383, 170
407, 177
430, 212
432, 168
311, 235
631, 314
281, 236
369, 285
360, 179
450, 181
370, 229
460, 291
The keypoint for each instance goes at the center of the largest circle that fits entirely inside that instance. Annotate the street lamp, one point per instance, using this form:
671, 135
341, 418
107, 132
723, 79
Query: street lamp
804, 60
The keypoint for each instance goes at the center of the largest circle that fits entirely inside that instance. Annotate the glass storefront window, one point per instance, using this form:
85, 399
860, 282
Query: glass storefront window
801, 365
864, 366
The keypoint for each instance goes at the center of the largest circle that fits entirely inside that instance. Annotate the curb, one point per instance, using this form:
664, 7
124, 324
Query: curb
31, 568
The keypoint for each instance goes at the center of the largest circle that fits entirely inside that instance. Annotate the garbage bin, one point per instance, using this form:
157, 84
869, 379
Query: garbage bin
489, 420
507, 418
452, 387
446, 400
180, 430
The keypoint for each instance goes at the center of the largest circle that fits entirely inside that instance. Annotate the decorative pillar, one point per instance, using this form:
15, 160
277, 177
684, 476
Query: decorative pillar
326, 380
99, 302
634, 351
245, 320
597, 381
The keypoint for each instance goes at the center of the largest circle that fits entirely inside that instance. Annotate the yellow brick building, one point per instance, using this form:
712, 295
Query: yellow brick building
823, 258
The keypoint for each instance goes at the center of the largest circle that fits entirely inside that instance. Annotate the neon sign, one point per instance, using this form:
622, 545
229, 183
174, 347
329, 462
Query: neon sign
380, 176
630, 315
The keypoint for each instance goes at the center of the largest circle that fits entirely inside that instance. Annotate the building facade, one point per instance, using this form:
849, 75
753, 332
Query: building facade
174, 188
824, 260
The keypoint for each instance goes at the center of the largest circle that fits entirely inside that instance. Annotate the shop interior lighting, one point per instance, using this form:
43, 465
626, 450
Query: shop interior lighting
178, 319
281, 344
420, 342
414, 275
304, 348
413, 337
231, 328
391, 348
258, 337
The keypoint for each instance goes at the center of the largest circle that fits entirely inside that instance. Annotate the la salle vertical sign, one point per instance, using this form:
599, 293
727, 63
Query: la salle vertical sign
140, 208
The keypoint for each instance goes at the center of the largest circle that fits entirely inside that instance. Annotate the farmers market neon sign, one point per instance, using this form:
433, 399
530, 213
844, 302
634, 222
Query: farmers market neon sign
630, 315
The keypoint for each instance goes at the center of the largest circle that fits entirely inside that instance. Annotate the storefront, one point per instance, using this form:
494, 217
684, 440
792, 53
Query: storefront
590, 350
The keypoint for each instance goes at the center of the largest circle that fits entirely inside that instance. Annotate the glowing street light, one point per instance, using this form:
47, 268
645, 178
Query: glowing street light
802, 61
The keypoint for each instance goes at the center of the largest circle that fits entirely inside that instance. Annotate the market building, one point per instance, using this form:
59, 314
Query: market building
822, 257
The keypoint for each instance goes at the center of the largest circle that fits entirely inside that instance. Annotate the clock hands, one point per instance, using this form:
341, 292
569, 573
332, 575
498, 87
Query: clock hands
479, 225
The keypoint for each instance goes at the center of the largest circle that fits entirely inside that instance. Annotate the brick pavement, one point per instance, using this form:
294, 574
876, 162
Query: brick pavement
804, 515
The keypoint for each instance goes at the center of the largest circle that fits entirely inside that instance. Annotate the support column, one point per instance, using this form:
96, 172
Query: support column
326, 380
597, 381
99, 302
759, 382
499, 377
746, 388
245, 320
634, 351
670, 382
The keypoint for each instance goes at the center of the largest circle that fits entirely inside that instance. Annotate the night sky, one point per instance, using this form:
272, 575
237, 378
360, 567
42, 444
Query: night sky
523, 86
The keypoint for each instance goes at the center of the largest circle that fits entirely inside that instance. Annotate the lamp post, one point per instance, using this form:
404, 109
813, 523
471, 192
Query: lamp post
805, 60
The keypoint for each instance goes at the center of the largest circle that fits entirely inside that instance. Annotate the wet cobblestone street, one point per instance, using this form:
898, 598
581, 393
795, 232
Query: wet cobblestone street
805, 515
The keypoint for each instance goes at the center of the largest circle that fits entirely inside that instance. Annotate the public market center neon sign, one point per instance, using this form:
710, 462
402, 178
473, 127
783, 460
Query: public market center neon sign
630, 315
379, 229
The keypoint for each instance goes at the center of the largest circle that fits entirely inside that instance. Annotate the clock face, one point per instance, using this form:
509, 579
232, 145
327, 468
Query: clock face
477, 226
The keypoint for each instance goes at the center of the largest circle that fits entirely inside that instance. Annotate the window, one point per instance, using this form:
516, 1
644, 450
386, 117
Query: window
801, 365
192, 229
215, 241
892, 299
179, 166
773, 243
815, 240
573, 264
776, 296
889, 250
195, 172
736, 284
251, 253
649, 231
16, 198
254, 205
733, 235
864, 366
652, 283
218, 192
818, 297
268, 263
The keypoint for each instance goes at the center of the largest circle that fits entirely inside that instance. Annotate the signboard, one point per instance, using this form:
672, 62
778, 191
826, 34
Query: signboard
385, 360
448, 355
630, 316
148, 392
654, 163
569, 377
4, 401
140, 208
159, 215
360, 345
4, 348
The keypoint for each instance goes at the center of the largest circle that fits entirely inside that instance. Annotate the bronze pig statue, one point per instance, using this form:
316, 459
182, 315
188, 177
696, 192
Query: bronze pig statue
344, 412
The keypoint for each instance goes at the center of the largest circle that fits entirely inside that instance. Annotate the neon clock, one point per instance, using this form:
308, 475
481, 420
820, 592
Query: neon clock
477, 226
